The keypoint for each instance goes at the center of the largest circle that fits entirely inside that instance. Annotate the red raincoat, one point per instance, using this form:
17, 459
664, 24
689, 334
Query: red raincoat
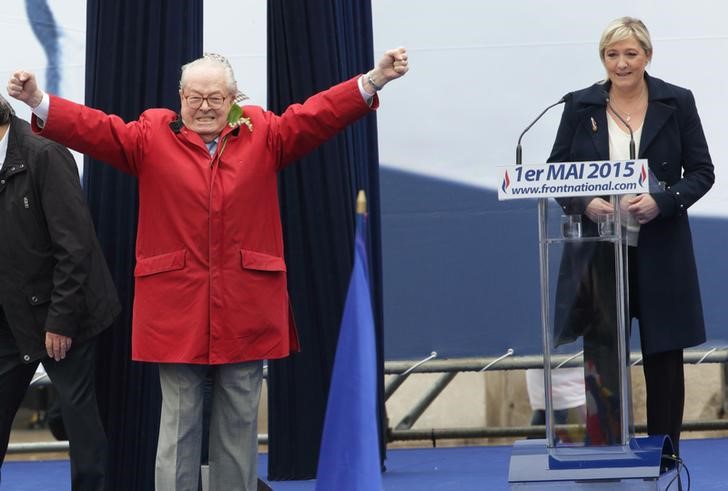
210, 277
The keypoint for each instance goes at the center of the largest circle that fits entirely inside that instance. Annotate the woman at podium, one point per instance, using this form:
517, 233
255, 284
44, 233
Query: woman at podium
600, 122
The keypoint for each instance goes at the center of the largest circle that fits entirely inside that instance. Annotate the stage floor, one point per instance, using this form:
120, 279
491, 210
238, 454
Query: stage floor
434, 469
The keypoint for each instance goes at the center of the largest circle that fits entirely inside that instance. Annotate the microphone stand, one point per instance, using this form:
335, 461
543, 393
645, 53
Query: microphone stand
542, 254
621, 258
519, 149
632, 151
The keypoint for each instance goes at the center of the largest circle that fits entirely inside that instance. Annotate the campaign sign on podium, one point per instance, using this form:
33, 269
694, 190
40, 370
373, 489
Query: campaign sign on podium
585, 323
571, 179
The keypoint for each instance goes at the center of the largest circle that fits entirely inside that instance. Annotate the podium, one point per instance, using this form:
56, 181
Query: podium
585, 319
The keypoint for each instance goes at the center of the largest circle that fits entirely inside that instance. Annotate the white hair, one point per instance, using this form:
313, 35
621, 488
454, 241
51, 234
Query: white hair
212, 60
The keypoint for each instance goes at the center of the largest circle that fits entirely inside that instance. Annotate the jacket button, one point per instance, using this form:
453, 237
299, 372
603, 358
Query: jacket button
2, 182
26, 358
34, 299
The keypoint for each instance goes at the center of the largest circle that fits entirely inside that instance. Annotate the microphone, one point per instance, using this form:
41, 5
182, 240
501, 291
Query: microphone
519, 150
632, 151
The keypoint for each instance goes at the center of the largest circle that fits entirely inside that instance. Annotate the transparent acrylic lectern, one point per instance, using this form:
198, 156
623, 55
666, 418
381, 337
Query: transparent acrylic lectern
585, 323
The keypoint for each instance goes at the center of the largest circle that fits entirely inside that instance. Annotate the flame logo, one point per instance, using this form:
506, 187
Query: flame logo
506, 183
643, 176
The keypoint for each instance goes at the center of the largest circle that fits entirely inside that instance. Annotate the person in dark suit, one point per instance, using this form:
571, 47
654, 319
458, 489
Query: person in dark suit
663, 282
56, 292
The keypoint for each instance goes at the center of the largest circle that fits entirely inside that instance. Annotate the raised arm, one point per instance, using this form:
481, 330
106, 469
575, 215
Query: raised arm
303, 127
92, 132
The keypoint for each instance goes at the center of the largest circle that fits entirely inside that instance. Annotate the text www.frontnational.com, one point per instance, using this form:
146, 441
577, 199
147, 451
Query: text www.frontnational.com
604, 188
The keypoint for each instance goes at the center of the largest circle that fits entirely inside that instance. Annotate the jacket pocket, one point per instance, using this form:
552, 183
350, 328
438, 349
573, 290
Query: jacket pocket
39, 298
162, 263
261, 262
35, 315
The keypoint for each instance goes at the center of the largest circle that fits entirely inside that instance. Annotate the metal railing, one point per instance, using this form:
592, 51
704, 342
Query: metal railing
403, 369
433, 365
450, 368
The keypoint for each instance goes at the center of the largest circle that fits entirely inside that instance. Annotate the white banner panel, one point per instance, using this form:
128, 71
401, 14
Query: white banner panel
562, 179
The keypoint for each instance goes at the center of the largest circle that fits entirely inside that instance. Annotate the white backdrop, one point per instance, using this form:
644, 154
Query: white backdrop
21, 49
237, 30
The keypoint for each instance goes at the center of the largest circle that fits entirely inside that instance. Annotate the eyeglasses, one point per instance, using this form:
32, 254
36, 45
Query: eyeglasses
214, 101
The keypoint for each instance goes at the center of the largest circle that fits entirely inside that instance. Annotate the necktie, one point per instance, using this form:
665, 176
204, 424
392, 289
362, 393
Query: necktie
212, 146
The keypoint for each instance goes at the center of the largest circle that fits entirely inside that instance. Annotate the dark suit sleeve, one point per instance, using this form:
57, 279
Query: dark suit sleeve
562, 152
698, 173
71, 233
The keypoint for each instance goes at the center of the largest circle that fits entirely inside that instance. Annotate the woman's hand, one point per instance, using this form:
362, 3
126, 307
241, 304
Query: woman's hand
643, 208
597, 207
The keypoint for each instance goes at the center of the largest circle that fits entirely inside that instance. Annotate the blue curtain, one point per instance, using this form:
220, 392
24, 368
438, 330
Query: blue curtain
134, 50
313, 45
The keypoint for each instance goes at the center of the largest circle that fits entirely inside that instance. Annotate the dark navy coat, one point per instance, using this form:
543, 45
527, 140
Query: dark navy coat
670, 309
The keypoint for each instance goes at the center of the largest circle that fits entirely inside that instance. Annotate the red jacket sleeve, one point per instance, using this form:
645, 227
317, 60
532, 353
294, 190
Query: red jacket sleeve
102, 136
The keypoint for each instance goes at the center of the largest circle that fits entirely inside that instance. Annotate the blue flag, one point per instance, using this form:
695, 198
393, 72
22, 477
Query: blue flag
349, 458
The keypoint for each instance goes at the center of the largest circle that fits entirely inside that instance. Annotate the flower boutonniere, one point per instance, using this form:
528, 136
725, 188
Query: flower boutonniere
236, 117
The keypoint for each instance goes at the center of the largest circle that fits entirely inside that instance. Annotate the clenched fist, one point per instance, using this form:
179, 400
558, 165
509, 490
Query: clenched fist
23, 87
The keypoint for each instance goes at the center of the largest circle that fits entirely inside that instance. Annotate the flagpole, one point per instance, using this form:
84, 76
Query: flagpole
361, 203
349, 457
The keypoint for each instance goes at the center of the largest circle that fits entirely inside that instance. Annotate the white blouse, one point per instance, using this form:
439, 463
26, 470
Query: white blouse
619, 150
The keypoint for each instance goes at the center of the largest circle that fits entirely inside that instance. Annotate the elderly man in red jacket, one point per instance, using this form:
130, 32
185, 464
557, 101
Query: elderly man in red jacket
210, 275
